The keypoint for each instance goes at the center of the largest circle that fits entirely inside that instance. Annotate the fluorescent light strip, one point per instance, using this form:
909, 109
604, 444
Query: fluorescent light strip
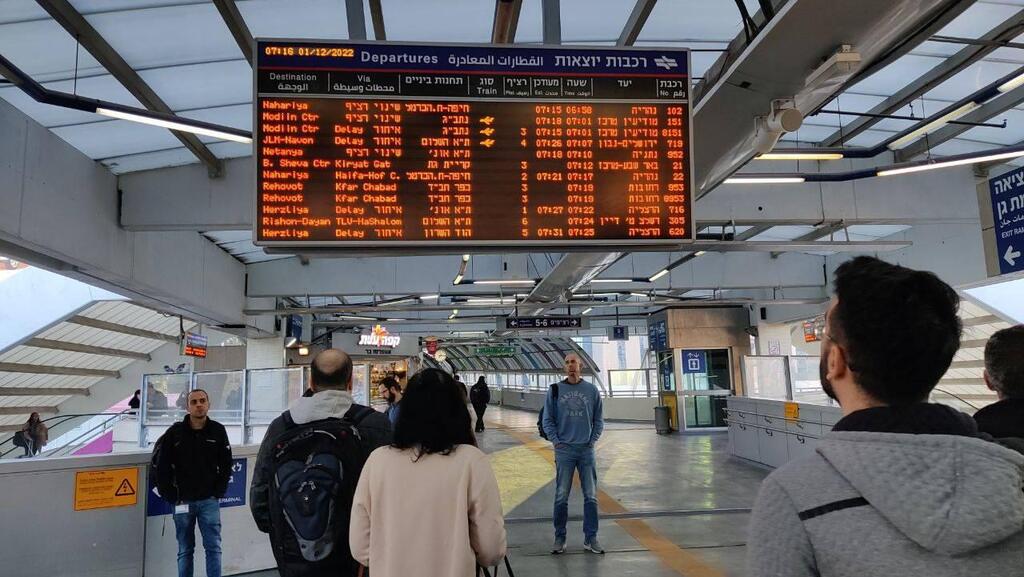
640, 295
765, 180
356, 318
599, 280
173, 125
948, 163
397, 302
458, 279
1011, 84
700, 253
491, 301
658, 275
800, 156
506, 281
937, 123
454, 312
588, 309
429, 297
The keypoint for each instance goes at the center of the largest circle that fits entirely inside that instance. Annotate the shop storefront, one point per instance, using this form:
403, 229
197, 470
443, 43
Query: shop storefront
377, 353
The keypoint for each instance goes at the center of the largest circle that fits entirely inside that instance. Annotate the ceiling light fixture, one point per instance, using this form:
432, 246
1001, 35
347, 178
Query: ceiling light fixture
398, 301
458, 279
454, 312
173, 125
937, 123
948, 163
587, 310
1011, 84
800, 156
658, 275
610, 280
505, 281
765, 180
429, 297
642, 295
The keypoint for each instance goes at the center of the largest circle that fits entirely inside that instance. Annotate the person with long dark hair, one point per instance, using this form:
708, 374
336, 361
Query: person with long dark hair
35, 434
432, 492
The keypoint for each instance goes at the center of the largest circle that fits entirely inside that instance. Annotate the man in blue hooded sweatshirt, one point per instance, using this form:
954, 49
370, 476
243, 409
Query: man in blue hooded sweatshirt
573, 422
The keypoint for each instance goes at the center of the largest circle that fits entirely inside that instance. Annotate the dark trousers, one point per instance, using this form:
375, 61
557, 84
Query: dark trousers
479, 416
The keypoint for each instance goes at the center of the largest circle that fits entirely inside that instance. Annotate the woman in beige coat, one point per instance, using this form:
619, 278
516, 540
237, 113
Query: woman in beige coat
429, 504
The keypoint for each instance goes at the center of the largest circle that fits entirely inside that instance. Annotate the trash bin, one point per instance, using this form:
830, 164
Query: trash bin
662, 423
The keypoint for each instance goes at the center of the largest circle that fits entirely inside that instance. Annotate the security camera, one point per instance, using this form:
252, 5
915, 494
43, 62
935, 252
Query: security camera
783, 118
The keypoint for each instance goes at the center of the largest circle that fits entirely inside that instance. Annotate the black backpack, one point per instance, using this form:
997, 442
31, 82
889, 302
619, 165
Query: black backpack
160, 467
19, 439
314, 469
540, 417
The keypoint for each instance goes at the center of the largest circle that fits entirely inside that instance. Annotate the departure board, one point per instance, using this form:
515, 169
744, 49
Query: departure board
391, 144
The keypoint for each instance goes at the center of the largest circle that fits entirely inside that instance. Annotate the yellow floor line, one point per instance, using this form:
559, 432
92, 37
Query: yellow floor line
680, 561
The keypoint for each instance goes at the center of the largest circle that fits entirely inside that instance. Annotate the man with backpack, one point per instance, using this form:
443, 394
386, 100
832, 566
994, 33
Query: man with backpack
192, 464
573, 420
307, 470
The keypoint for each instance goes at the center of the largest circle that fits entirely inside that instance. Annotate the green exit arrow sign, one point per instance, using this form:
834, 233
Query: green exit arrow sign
497, 351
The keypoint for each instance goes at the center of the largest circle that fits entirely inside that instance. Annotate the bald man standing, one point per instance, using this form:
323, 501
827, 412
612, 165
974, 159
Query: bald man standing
573, 422
311, 455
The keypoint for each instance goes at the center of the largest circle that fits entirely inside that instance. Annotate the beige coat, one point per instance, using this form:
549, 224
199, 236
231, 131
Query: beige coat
434, 517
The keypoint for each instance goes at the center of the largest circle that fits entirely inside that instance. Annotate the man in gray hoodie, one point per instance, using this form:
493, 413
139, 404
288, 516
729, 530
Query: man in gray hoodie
899, 486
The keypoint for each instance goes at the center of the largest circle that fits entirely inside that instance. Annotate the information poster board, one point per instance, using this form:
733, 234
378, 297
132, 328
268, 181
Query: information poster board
391, 144
105, 488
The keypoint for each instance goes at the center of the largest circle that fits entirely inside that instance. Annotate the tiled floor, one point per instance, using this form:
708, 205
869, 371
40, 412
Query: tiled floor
683, 487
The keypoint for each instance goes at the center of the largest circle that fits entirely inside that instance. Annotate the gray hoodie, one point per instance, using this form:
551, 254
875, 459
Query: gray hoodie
889, 504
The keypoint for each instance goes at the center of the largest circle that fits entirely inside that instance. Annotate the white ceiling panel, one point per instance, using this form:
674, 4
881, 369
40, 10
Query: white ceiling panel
115, 138
20, 11
169, 35
974, 77
202, 85
308, 18
44, 50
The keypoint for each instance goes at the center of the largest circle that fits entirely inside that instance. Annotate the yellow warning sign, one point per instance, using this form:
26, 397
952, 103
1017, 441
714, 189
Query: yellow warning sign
106, 488
792, 411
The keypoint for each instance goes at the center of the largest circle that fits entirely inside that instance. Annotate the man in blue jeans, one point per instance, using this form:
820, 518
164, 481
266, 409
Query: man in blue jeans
573, 421
193, 468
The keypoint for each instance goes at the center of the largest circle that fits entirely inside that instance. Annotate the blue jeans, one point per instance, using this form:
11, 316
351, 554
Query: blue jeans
207, 512
568, 459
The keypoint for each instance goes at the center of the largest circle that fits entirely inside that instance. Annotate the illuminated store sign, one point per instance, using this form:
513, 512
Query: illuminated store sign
379, 337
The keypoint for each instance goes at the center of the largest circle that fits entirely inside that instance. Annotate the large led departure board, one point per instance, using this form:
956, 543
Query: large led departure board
387, 144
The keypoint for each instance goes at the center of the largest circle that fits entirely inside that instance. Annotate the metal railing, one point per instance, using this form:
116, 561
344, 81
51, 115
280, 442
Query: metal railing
62, 447
7, 446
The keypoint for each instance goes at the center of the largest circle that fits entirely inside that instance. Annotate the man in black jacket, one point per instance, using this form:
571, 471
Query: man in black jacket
196, 468
479, 396
1004, 374
331, 383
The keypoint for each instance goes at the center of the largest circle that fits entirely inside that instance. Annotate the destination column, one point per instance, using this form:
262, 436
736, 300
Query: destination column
289, 131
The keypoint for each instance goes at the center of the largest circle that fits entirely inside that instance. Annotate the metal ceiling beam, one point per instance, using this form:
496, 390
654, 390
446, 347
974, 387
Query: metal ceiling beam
551, 21
51, 370
949, 67
27, 410
997, 105
118, 328
79, 28
88, 349
751, 232
506, 21
237, 26
635, 23
377, 18
43, 391
356, 19
982, 320
825, 229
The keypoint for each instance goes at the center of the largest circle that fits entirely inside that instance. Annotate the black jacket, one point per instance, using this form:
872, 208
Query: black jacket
479, 395
374, 430
198, 462
1003, 419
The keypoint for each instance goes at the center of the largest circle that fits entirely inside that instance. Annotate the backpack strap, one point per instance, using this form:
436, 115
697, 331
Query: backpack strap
358, 413
289, 423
